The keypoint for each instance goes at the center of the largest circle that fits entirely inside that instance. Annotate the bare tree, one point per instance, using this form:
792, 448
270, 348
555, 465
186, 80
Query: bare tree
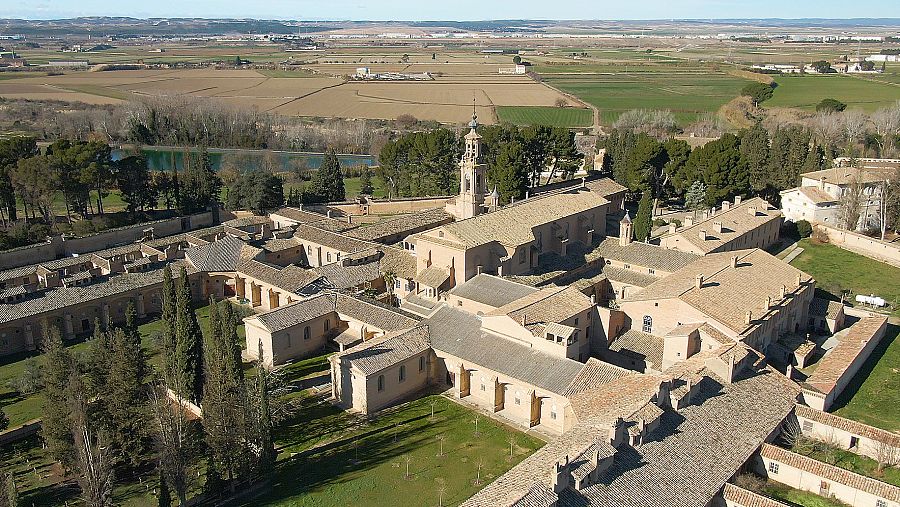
887, 124
827, 127
889, 190
440, 439
172, 442
708, 125
93, 453
850, 203
407, 459
853, 125
886, 455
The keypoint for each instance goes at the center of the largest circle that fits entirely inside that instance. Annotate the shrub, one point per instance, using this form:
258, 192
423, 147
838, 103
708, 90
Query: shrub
819, 236
804, 229
30, 381
659, 222
830, 106
758, 92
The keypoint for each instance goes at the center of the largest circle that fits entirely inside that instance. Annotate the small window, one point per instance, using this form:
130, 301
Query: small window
522, 256
627, 266
289, 340
880, 503
553, 413
773, 467
648, 324
328, 256
483, 388
381, 382
306, 333
422, 363
576, 321
651, 271
337, 256
402, 373
518, 400
327, 324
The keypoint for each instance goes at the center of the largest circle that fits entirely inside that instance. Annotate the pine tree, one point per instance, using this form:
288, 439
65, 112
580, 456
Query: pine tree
755, 151
328, 182
365, 181
695, 197
643, 221
188, 362
58, 367
135, 353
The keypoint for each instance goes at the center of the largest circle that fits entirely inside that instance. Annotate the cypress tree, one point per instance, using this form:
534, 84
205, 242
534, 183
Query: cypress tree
188, 361
9, 493
100, 350
328, 182
231, 347
56, 424
267, 454
643, 221
124, 399
164, 497
134, 351
168, 317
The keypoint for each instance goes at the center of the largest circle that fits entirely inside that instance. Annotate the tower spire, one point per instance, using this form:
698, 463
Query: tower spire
474, 123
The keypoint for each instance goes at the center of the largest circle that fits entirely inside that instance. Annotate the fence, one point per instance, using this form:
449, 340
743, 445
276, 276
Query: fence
864, 245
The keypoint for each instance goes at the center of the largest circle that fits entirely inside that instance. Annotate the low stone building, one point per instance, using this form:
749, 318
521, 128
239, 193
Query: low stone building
753, 223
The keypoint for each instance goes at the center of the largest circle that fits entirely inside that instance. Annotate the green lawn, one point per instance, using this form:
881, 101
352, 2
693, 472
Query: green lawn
806, 91
20, 408
551, 116
797, 497
843, 458
836, 270
331, 458
687, 92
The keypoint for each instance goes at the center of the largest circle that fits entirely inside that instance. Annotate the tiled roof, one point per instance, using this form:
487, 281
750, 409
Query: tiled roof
643, 254
300, 216
375, 314
403, 225
491, 290
848, 425
432, 276
349, 275
296, 313
397, 261
291, 278
844, 175
459, 333
693, 451
605, 187
740, 496
222, 255
816, 195
279, 244
831, 473
851, 342
727, 293
736, 221
247, 221
336, 241
377, 354
822, 307
636, 344
595, 373
513, 225
628, 276
537, 309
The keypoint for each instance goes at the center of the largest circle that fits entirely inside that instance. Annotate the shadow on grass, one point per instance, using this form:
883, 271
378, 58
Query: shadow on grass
853, 387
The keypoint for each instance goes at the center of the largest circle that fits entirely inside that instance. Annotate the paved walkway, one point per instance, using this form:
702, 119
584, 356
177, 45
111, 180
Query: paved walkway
793, 254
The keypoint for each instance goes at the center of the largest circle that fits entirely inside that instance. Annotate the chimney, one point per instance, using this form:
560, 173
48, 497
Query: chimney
527, 194
688, 221
748, 318
734, 261
783, 291
478, 269
583, 182
822, 183
726, 205
673, 227
593, 299
328, 213
737, 200
799, 280
524, 319
752, 211
698, 281
717, 226
702, 235
350, 219
768, 302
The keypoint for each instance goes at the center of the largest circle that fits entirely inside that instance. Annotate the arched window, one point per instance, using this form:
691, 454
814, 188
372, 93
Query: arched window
381, 382
648, 323
306, 333
402, 373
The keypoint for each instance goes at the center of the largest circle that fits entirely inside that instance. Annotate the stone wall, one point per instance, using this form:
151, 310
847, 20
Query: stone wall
864, 245
58, 247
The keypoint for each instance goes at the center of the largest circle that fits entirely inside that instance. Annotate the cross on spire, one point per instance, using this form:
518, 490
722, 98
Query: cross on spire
474, 123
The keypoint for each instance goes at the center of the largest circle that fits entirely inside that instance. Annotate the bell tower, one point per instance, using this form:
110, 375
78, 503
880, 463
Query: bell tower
471, 175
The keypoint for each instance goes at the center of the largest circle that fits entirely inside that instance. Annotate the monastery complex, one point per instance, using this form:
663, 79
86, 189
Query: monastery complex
655, 372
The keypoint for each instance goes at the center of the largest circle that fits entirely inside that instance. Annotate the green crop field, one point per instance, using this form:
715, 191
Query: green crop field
551, 116
805, 92
687, 93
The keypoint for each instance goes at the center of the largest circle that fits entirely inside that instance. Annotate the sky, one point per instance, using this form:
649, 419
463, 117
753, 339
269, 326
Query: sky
464, 10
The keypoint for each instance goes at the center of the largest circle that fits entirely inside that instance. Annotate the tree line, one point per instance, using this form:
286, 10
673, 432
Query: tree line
426, 163
107, 418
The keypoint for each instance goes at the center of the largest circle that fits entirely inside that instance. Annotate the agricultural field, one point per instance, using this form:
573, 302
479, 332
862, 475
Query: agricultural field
804, 92
551, 116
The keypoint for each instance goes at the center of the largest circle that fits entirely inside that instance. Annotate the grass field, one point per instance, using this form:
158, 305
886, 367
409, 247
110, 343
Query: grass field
331, 458
551, 116
804, 92
836, 270
688, 93
845, 459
